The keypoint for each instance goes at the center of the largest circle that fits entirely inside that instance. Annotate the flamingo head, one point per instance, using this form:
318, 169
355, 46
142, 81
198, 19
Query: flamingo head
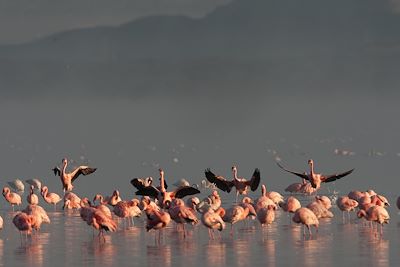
6, 190
234, 168
310, 162
64, 161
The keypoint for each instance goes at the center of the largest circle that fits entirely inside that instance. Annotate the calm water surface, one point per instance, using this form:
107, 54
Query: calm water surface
68, 241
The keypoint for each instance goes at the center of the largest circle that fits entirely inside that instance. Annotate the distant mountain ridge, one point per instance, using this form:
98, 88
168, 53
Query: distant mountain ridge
266, 37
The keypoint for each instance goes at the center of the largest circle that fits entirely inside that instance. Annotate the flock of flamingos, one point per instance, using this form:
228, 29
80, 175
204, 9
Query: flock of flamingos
162, 206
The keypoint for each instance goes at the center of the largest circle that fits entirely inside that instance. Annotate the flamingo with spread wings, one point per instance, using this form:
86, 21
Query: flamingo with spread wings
316, 178
67, 178
241, 184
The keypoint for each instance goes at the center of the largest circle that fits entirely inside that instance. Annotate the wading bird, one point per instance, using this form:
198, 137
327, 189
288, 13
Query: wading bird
316, 178
241, 184
67, 178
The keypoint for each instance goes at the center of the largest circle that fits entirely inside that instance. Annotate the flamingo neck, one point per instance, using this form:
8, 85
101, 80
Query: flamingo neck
312, 169
235, 174
64, 168
162, 182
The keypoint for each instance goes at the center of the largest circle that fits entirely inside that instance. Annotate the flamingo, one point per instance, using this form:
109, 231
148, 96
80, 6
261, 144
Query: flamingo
39, 214
156, 219
345, 203
241, 184
127, 209
23, 222
67, 178
295, 187
264, 201
306, 217
50, 198
110, 200
193, 202
71, 201
266, 215
290, 205
35, 182
211, 219
162, 195
315, 178
32, 198
17, 185
12, 198
238, 213
96, 218
182, 214
319, 209
376, 214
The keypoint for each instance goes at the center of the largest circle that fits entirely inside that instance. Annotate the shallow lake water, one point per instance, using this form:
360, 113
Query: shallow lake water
68, 241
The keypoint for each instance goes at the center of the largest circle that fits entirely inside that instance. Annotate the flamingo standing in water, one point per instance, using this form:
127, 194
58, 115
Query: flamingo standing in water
24, 223
307, 218
12, 198
315, 178
50, 198
211, 219
32, 198
290, 205
345, 203
156, 219
67, 178
241, 184
182, 214
39, 214
376, 214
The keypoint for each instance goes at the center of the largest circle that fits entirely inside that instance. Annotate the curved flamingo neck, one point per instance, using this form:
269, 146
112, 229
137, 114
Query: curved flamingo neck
235, 174
263, 191
64, 167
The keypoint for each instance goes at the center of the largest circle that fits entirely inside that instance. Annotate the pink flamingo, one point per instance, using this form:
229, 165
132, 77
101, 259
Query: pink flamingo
211, 219
50, 198
156, 219
181, 214
290, 205
319, 209
376, 214
71, 201
241, 184
238, 213
266, 215
12, 198
307, 218
96, 218
127, 209
23, 222
315, 178
32, 198
67, 178
39, 214
264, 201
345, 203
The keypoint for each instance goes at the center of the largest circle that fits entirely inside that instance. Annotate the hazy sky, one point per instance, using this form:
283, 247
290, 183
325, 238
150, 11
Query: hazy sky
88, 95
24, 20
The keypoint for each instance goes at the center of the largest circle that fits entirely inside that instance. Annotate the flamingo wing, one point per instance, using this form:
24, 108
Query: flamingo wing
150, 191
334, 177
219, 181
84, 170
302, 175
185, 191
255, 180
57, 171
138, 183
